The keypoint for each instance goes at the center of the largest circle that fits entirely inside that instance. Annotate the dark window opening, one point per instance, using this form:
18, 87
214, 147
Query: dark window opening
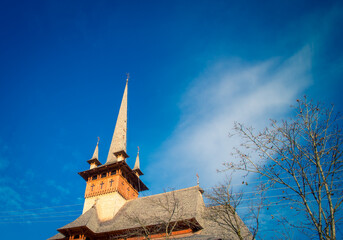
94, 177
103, 175
113, 173
76, 236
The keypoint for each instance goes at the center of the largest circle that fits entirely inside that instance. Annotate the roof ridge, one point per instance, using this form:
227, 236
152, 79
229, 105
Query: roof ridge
178, 190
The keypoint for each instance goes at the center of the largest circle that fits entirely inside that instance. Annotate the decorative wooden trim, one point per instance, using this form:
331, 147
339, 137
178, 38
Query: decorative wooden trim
102, 186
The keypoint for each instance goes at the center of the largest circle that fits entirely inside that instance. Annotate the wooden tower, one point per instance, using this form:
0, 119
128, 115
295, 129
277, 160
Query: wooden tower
110, 185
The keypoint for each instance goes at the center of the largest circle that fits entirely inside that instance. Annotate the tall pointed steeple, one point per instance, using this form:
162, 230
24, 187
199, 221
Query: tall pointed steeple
114, 182
117, 150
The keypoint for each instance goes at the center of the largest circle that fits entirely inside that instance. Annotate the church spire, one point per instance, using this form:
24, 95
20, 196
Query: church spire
136, 168
96, 151
137, 161
117, 150
94, 161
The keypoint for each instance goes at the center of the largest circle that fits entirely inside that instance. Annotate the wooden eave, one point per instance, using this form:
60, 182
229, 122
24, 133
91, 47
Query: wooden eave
138, 171
94, 160
121, 152
76, 230
192, 224
180, 225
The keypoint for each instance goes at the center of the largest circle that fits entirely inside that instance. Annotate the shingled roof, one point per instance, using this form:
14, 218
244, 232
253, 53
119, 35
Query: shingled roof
87, 220
148, 211
154, 210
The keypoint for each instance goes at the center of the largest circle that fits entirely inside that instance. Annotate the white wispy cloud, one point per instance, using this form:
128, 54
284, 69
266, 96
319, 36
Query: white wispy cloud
227, 92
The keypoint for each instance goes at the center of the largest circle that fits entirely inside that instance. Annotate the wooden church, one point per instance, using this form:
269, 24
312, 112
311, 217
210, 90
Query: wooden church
114, 210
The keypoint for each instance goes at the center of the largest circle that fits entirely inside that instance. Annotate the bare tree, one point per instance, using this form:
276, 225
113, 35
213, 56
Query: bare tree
303, 155
174, 213
223, 203
167, 216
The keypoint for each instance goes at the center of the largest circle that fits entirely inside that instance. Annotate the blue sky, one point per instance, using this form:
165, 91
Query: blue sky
195, 66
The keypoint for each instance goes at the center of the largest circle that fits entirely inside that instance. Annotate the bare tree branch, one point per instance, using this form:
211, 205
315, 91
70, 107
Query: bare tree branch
303, 154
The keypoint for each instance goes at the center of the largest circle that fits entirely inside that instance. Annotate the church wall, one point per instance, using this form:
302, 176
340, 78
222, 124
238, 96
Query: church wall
110, 183
110, 193
107, 205
101, 185
125, 189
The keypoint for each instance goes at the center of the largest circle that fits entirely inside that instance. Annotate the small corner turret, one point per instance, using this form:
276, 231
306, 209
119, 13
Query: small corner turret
94, 161
136, 169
